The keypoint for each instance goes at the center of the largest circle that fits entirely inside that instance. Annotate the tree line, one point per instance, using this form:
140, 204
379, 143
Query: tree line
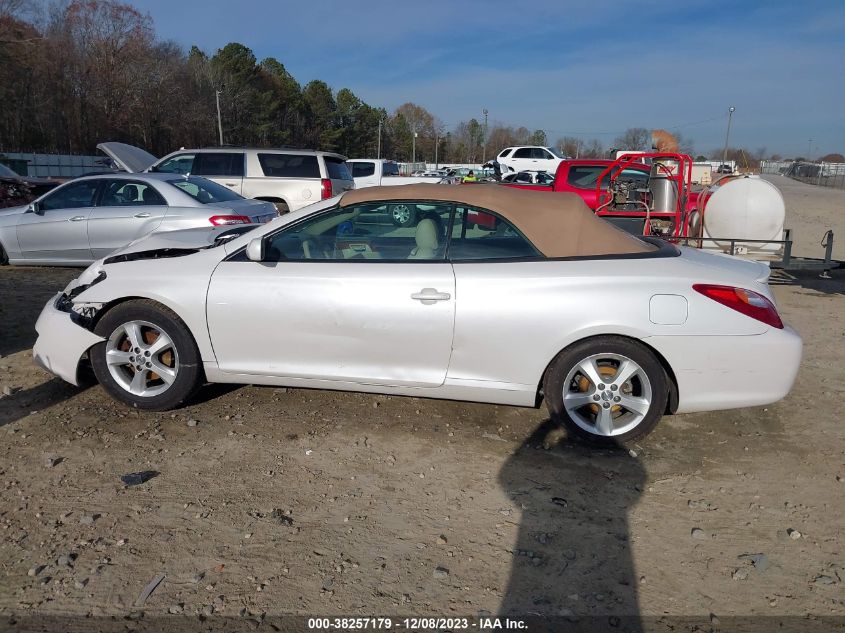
78, 73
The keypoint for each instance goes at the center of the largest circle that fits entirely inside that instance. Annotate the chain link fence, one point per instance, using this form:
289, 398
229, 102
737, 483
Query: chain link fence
821, 174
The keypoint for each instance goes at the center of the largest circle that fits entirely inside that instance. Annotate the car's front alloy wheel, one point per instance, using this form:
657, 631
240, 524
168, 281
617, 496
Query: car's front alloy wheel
608, 389
149, 359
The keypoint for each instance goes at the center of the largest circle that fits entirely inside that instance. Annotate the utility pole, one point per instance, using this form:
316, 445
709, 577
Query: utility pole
436, 143
809, 149
728, 135
219, 119
379, 139
484, 146
414, 145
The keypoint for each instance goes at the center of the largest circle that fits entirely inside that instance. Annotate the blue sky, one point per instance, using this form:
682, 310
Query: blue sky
588, 69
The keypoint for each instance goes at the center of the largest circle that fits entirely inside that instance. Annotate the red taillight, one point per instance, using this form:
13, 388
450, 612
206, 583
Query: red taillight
223, 220
325, 188
745, 301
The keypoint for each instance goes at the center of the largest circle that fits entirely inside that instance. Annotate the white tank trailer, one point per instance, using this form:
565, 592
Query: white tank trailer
739, 209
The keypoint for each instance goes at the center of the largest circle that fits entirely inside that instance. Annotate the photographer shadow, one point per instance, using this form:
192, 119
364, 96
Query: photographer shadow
572, 565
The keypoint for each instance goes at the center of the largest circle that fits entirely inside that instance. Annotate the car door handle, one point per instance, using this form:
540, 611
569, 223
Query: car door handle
144, 214
231, 184
430, 295
76, 218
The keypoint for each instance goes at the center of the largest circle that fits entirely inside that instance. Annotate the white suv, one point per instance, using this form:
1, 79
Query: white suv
530, 158
290, 178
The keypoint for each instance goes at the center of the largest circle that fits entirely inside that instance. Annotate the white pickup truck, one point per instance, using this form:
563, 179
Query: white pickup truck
378, 172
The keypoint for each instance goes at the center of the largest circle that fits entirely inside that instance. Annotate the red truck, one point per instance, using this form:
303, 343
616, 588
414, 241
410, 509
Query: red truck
626, 194
580, 176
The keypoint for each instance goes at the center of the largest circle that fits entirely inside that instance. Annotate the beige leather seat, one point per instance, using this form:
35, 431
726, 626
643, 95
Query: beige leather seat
426, 239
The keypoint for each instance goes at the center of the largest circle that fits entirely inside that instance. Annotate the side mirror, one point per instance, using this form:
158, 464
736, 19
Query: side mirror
34, 208
255, 250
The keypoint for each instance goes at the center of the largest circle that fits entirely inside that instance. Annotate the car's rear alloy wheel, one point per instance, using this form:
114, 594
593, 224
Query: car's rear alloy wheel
403, 214
149, 359
608, 389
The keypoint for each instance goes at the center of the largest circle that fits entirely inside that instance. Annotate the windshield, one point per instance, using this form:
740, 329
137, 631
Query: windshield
7, 172
204, 191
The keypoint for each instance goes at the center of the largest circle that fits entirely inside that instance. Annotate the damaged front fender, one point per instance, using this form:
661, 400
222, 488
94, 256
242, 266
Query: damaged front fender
61, 341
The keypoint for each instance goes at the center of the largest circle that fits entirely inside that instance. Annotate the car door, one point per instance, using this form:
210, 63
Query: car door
57, 229
125, 210
545, 160
522, 159
225, 168
341, 296
498, 284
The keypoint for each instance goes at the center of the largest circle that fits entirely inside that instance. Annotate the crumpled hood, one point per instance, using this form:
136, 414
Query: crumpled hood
178, 241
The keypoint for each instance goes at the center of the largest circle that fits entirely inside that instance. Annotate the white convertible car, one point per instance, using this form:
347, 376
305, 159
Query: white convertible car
550, 303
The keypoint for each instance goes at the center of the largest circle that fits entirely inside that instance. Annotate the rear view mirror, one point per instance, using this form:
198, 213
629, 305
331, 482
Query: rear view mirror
255, 250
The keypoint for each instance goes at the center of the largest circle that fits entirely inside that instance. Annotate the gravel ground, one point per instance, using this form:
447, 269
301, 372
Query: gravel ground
283, 501
810, 212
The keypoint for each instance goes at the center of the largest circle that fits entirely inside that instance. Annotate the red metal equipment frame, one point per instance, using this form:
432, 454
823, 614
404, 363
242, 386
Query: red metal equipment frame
682, 180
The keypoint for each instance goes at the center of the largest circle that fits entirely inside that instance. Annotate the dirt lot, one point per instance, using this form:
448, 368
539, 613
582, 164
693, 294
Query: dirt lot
272, 501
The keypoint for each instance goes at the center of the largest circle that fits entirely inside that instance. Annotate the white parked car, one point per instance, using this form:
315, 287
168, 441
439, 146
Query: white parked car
530, 178
554, 303
289, 178
530, 158
88, 218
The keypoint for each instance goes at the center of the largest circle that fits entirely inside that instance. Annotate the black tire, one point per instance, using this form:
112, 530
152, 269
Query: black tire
281, 207
4, 258
184, 354
402, 214
555, 382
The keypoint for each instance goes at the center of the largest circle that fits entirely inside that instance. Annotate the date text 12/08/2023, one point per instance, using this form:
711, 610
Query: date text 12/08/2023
414, 623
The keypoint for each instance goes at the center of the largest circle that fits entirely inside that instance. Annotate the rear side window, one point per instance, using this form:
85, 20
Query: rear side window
524, 152
205, 191
478, 234
219, 164
360, 170
129, 193
336, 168
289, 165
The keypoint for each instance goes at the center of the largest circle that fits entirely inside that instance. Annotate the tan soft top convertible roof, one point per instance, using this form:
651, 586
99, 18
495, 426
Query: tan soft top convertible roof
558, 224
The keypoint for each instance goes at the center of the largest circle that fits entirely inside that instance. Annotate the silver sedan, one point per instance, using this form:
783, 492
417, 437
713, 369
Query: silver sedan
88, 218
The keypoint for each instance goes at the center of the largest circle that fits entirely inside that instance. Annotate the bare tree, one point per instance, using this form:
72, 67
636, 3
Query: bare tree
634, 139
569, 146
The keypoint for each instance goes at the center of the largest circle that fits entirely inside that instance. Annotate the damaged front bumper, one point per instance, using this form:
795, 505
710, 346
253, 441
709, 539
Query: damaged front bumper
62, 340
